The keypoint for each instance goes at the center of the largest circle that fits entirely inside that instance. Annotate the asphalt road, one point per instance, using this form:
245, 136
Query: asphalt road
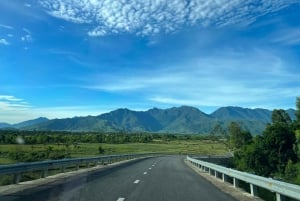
155, 179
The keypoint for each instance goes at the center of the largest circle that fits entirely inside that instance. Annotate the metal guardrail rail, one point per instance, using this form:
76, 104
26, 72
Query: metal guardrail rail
281, 189
43, 166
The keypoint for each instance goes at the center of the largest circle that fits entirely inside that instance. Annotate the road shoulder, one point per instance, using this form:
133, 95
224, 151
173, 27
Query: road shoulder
236, 193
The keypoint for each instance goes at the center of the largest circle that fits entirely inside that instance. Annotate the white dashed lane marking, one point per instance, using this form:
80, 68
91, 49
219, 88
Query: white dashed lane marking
150, 168
136, 181
145, 172
121, 199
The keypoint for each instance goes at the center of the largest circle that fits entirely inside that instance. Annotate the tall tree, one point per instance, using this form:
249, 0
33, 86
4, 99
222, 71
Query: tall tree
279, 141
281, 116
237, 136
297, 126
298, 111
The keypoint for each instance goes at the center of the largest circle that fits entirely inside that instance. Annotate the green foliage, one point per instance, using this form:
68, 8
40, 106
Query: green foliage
101, 150
273, 153
32, 156
298, 111
290, 170
281, 116
42, 145
279, 141
238, 137
218, 130
297, 147
253, 158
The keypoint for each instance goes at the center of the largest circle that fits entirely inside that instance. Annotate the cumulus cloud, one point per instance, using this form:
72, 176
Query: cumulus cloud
3, 41
150, 17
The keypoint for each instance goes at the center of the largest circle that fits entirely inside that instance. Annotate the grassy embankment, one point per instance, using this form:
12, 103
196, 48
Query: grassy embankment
203, 147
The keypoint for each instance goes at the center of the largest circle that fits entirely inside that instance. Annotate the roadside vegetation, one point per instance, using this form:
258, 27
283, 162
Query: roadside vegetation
275, 153
29, 146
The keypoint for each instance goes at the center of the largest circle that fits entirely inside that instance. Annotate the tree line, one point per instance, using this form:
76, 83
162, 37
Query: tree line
64, 137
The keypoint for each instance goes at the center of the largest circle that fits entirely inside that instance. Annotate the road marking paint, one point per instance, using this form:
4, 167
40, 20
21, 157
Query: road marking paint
150, 168
136, 181
153, 165
145, 172
120, 199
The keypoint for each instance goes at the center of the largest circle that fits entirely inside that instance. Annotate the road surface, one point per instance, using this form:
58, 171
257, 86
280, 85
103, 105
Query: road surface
165, 178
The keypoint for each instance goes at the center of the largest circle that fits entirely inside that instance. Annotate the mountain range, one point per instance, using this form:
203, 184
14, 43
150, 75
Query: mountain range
183, 120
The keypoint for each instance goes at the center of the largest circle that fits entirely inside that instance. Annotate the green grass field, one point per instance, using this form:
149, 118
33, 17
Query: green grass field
204, 147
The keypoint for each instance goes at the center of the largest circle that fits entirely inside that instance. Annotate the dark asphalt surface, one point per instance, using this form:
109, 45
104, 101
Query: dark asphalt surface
155, 179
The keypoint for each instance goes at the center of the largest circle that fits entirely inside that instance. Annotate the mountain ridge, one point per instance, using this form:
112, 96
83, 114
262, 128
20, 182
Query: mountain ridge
184, 120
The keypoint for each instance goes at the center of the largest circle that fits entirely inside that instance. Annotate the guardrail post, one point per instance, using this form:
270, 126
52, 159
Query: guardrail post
216, 174
44, 173
253, 190
280, 197
224, 178
77, 166
17, 178
236, 182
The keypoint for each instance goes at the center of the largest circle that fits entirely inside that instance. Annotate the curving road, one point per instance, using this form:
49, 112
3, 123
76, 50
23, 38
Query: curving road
153, 179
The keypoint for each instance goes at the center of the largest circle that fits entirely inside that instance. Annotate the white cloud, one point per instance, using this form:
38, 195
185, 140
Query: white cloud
27, 5
150, 17
27, 37
3, 41
14, 110
6, 26
10, 103
289, 36
228, 78
27, 31
19, 114
9, 98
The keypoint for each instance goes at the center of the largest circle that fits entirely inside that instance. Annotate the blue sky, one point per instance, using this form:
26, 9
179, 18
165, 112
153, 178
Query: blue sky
65, 58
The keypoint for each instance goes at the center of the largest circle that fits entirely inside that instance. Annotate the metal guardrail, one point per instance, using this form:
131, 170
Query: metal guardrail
44, 166
281, 189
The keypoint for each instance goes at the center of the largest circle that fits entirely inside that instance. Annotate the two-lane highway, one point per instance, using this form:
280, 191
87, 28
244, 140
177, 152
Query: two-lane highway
153, 179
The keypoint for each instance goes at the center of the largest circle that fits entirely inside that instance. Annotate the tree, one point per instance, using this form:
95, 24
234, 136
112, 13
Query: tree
279, 141
218, 131
298, 111
280, 116
253, 158
297, 126
101, 150
237, 136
